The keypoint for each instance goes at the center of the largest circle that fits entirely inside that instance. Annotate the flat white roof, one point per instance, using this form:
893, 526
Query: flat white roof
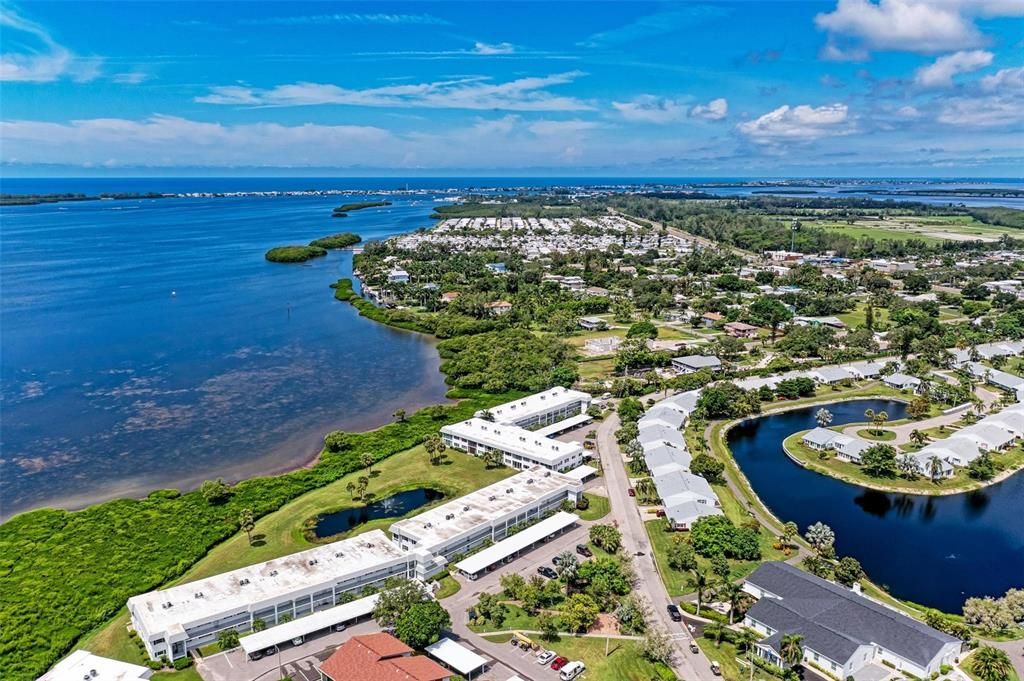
264, 582
581, 473
563, 425
514, 439
455, 655
321, 619
539, 403
82, 664
517, 542
482, 507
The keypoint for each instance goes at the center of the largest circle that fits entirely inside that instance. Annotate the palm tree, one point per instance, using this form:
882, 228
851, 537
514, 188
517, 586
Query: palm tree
792, 649
823, 417
991, 664
367, 460
934, 468
715, 630
869, 415
879, 421
789, 530
734, 595
364, 482
247, 522
919, 437
351, 487
700, 582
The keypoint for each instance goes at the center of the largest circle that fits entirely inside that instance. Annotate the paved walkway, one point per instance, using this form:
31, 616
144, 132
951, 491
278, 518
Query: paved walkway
903, 431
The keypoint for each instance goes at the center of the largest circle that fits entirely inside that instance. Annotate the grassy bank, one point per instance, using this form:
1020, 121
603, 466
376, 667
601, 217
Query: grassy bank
854, 474
89, 562
341, 240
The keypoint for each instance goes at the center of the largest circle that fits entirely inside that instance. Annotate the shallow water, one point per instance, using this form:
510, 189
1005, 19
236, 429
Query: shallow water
148, 343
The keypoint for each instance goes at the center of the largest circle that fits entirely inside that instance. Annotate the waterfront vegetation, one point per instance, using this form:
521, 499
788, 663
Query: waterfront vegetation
334, 241
344, 209
91, 561
289, 254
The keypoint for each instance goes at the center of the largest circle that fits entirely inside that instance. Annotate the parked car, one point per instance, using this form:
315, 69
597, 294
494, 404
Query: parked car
297, 641
583, 550
270, 651
256, 655
631, 492
340, 627
545, 571
572, 670
559, 663
545, 657
716, 668
693, 647
673, 612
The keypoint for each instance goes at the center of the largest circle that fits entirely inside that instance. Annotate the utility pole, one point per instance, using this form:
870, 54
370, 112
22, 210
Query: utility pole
792, 238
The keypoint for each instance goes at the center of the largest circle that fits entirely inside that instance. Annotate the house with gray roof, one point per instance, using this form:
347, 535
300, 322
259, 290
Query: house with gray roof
685, 497
902, 381
654, 433
661, 458
665, 415
819, 438
831, 375
843, 631
691, 364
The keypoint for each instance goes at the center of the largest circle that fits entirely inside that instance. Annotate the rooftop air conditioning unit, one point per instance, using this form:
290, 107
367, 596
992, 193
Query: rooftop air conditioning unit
465, 508
491, 498
273, 573
314, 561
530, 481
339, 554
86, 677
508, 491
92, 672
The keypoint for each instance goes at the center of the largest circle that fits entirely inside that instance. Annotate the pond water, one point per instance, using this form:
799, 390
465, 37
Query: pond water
394, 506
936, 551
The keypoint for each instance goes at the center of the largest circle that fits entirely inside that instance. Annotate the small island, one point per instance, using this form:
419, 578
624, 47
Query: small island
294, 253
335, 241
343, 210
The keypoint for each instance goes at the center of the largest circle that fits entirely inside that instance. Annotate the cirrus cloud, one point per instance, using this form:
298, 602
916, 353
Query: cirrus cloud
522, 94
651, 109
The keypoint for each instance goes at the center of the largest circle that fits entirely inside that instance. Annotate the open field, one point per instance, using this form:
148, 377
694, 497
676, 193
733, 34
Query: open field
931, 229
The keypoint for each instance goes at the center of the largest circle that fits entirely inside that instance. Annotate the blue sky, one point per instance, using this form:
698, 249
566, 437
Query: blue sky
830, 88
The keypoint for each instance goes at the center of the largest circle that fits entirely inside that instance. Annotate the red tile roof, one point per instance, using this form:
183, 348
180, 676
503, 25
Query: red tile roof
380, 657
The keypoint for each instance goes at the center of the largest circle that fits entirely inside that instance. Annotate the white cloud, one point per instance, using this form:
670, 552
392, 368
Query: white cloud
489, 49
49, 62
380, 19
656, 24
939, 74
856, 27
908, 112
797, 124
1004, 79
561, 128
651, 109
523, 94
983, 112
715, 110
130, 78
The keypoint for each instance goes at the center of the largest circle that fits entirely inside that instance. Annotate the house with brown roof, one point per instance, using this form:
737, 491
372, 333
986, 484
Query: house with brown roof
449, 296
709, 319
740, 330
380, 657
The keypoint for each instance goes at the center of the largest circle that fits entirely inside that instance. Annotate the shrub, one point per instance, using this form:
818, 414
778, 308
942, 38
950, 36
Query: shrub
183, 663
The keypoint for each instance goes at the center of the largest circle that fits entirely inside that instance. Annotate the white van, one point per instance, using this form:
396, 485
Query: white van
572, 670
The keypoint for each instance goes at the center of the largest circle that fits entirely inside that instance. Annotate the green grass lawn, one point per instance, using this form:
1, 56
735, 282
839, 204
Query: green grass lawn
879, 435
600, 506
624, 661
594, 369
855, 317
281, 533
515, 618
449, 587
725, 655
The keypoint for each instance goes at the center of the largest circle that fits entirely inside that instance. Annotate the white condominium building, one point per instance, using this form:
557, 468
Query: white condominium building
541, 409
486, 515
181, 618
520, 448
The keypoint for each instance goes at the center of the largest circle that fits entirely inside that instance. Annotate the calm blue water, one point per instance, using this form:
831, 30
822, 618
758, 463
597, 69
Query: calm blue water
931, 550
113, 386
395, 506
